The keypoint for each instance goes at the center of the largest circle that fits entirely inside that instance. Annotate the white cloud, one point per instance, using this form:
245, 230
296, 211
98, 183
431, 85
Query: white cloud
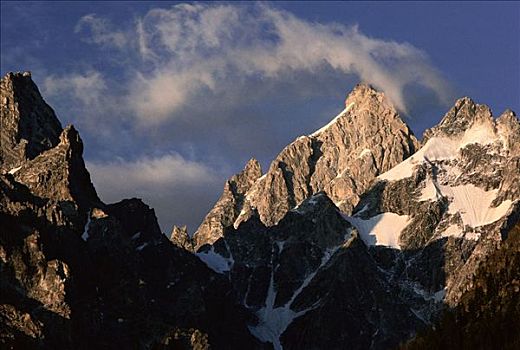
171, 169
213, 75
89, 88
190, 51
101, 31
86, 100
178, 189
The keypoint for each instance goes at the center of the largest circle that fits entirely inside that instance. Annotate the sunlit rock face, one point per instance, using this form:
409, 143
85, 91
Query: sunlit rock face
366, 139
358, 235
229, 206
29, 125
413, 223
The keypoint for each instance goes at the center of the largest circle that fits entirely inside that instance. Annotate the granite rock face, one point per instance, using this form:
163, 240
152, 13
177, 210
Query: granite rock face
229, 205
457, 188
181, 238
76, 273
357, 236
312, 281
39, 154
29, 125
487, 315
366, 139
411, 226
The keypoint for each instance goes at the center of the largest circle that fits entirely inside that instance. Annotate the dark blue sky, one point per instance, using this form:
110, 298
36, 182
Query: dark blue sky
475, 44
170, 101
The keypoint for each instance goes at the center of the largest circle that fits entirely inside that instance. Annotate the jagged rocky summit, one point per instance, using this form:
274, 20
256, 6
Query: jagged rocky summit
76, 273
425, 216
358, 236
366, 139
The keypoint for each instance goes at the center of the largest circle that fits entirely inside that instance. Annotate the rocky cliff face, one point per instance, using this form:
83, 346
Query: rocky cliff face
412, 225
357, 236
229, 205
486, 317
457, 187
181, 238
366, 139
29, 125
76, 273
299, 276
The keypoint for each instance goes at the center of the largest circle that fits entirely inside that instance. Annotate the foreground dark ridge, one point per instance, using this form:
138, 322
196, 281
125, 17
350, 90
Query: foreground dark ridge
358, 236
79, 274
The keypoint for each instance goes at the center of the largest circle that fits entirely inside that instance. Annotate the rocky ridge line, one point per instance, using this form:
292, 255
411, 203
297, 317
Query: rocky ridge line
366, 139
78, 273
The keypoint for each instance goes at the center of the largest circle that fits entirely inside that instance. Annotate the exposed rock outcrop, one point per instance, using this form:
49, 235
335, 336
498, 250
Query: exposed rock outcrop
366, 139
419, 230
29, 125
312, 281
457, 186
229, 205
181, 238
76, 273
487, 315
355, 236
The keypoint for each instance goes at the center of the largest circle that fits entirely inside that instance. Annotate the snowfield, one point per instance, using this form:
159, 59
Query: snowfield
383, 229
441, 148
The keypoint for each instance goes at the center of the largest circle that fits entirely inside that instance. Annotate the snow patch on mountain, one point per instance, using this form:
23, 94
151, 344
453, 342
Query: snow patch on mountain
437, 148
441, 148
14, 170
85, 234
274, 321
452, 231
240, 218
481, 133
215, 261
473, 203
430, 192
142, 246
333, 121
382, 229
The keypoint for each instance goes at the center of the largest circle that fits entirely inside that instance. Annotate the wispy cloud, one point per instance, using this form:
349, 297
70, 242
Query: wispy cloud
88, 87
86, 99
229, 80
171, 170
100, 31
175, 186
191, 51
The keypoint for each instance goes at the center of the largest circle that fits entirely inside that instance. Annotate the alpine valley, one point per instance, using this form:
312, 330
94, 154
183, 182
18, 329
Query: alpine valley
358, 236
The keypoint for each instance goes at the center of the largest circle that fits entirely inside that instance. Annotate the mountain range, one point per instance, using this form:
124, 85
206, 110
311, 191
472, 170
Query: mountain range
358, 236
